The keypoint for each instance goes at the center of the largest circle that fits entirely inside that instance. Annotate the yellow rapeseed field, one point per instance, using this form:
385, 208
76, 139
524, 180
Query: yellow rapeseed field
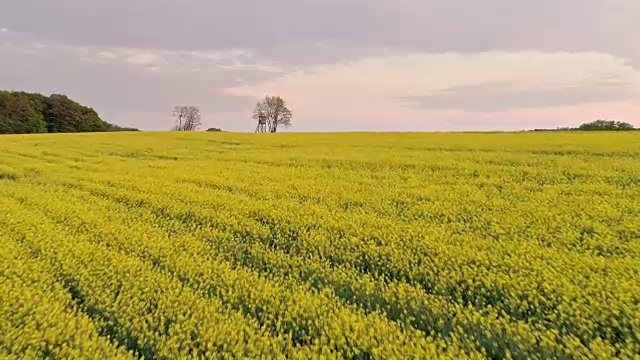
303, 246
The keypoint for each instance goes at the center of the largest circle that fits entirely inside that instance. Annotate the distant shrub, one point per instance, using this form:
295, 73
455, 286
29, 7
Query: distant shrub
598, 125
118, 128
214, 129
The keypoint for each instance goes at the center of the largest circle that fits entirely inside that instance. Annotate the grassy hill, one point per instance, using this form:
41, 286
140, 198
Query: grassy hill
346, 245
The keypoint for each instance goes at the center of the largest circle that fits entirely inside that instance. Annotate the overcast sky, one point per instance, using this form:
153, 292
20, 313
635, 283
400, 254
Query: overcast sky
342, 65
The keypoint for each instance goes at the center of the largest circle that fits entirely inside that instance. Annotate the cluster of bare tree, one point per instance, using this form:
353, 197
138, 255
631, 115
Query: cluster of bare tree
188, 117
271, 112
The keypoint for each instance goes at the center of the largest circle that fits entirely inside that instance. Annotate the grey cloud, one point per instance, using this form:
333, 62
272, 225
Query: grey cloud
300, 32
55, 46
493, 97
116, 87
186, 25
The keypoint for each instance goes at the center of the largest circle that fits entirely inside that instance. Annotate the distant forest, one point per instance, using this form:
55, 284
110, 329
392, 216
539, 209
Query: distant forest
598, 125
30, 113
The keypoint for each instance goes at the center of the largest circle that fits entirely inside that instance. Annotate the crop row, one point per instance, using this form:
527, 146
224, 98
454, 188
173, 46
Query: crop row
415, 246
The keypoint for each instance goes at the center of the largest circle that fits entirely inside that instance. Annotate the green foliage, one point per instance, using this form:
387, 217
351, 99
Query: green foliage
302, 246
214, 129
26, 113
606, 125
21, 114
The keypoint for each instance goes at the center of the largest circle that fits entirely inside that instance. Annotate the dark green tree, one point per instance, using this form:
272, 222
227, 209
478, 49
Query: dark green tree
26, 113
606, 125
20, 114
65, 115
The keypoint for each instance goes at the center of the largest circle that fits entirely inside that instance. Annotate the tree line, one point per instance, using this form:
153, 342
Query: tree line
30, 113
606, 125
26, 113
598, 125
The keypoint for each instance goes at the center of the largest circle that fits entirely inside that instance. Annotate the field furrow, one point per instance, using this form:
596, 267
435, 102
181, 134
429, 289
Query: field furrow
356, 246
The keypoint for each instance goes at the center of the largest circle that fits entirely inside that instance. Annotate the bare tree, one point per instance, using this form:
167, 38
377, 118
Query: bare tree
271, 113
188, 118
193, 120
